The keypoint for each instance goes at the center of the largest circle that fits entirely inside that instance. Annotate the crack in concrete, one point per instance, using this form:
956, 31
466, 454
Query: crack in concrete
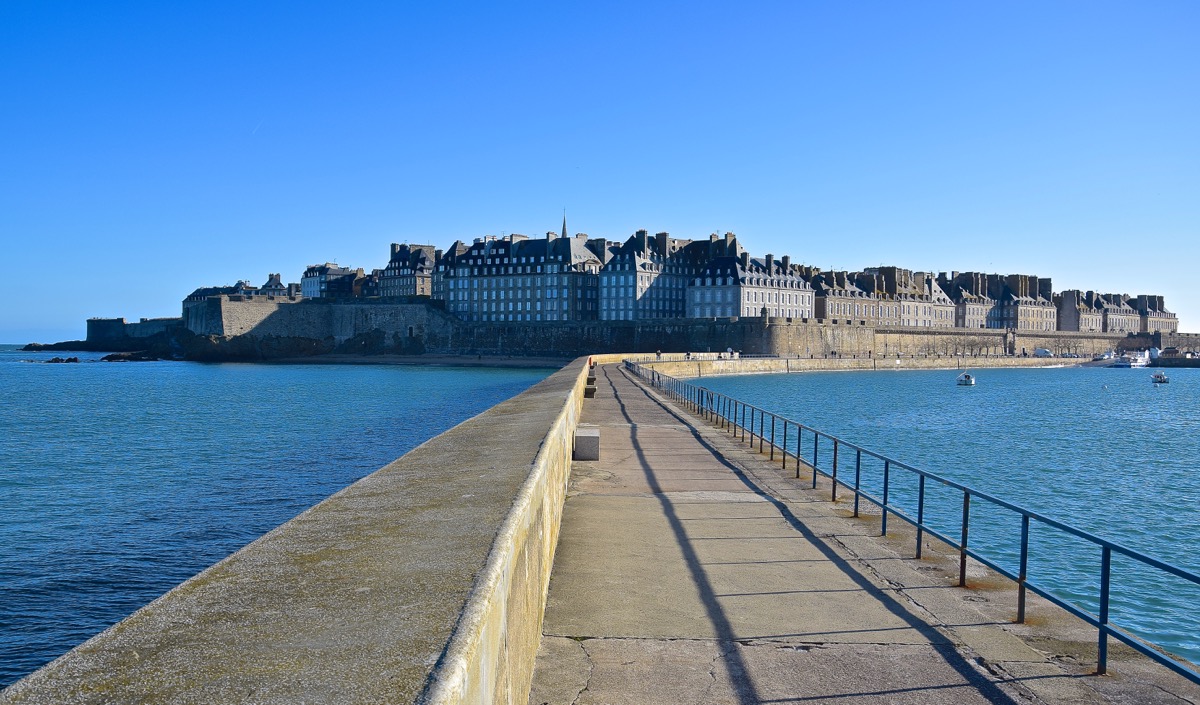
587, 683
712, 674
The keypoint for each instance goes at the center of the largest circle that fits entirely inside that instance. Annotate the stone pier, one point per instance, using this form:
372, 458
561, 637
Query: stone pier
691, 569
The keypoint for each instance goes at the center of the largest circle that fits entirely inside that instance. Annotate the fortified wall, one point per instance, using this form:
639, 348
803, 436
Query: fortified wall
119, 335
255, 327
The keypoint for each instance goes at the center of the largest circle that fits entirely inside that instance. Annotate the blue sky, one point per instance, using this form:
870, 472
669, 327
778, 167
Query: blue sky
148, 148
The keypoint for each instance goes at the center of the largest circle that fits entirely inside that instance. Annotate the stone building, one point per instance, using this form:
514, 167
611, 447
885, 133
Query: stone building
444, 269
647, 278
370, 286
274, 286
837, 296
742, 286
1119, 316
409, 271
1015, 301
907, 298
973, 307
330, 281
516, 278
1079, 312
1027, 303
1153, 315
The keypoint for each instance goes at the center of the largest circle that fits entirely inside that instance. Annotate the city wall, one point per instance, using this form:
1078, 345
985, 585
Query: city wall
119, 335
262, 329
687, 369
423, 582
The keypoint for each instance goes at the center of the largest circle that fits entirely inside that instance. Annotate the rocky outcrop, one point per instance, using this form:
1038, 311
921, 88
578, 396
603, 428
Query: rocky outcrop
141, 356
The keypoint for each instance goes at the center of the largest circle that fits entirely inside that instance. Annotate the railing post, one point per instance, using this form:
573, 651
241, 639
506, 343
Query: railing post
772, 437
857, 478
887, 471
1105, 582
816, 445
752, 410
833, 477
785, 423
1021, 575
920, 513
962, 547
799, 447
762, 425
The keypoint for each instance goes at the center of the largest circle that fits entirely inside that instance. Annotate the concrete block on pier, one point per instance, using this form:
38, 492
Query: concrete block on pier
589, 392
587, 443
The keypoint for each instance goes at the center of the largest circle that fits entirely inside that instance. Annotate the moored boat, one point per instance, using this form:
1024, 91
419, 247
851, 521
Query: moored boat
965, 380
1160, 378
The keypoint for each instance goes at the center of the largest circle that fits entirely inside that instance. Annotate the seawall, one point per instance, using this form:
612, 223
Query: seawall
708, 367
423, 582
255, 328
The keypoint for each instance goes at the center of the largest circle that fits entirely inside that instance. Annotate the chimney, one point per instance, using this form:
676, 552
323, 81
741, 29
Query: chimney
786, 261
664, 244
550, 235
395, 248
641, 236
746, 261
770, 265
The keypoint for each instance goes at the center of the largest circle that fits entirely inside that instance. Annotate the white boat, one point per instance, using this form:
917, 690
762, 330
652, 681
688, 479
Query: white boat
1159, 378
965, 380
1131, 360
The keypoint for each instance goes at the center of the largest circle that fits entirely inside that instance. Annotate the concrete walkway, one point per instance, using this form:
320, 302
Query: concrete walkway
692, 571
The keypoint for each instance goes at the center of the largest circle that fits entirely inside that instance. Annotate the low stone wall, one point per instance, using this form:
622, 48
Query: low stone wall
753, 366
423, 582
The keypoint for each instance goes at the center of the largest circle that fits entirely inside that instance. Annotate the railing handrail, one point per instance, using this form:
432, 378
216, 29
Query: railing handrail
733, 412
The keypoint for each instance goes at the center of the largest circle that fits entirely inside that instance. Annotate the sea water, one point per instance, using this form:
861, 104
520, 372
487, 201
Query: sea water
1104, 450
118, 481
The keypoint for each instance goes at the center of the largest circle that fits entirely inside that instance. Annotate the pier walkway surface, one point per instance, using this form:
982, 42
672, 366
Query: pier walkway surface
691, 570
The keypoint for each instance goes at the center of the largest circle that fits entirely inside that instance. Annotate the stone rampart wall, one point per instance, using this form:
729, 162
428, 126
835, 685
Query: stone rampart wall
423, 582
420, 327
116, 334
151, 326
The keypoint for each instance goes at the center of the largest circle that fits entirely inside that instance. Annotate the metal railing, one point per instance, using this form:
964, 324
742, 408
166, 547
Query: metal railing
776, 435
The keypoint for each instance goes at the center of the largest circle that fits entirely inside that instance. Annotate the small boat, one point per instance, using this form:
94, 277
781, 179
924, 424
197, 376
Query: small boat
1160, 378
965, 380
1131, 360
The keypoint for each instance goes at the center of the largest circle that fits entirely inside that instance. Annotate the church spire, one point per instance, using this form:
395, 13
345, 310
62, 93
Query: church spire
564, 222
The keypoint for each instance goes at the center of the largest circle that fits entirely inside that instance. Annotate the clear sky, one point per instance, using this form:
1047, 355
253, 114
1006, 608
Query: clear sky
148, 148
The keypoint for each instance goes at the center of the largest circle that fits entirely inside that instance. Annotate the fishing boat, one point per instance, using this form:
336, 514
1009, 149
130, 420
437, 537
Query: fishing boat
965, 380
1159, 378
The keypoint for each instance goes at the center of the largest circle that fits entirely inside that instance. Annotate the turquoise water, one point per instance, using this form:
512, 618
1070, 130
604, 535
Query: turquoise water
121, 480
1104, 450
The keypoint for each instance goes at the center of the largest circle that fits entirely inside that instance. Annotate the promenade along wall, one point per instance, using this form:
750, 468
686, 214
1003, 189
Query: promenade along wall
423, 582
254, 328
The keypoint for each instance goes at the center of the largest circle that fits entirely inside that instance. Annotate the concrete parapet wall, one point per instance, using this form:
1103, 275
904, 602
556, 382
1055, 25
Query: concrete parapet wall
423, 582
491, 657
